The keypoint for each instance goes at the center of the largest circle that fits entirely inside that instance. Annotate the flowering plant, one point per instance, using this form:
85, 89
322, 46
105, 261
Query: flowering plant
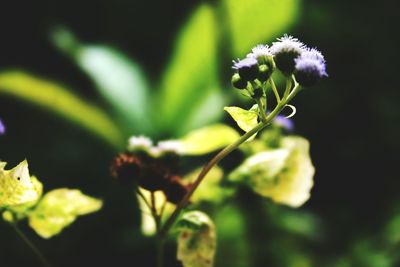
278, 167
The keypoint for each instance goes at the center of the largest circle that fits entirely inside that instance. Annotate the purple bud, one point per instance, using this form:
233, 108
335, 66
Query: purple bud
284, 122
285, 51
247, 68
2, 128
310, 67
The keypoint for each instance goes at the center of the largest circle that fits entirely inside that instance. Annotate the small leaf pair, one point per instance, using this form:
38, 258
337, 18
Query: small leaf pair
21, 197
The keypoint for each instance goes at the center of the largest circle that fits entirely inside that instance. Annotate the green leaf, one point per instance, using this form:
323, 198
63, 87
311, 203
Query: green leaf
59, 100
256, 21
197, 240
58, 209
284, 174
245, 119
208, 139
117, 78
210, 189
18, 190
208, 111
191, 73
148, 226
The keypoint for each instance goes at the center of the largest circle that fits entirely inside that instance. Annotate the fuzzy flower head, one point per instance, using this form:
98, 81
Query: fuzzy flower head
285, 51
260, 52
141, 143
170, 146
247, 68
265, 60
2, 128
310, 67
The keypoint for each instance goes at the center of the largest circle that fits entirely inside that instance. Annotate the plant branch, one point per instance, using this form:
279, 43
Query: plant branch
278, 98
29, 243
262, 111
222, 154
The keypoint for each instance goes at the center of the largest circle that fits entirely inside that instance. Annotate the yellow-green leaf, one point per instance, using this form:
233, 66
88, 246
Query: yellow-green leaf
191, 73
208, 139
18, 190
197, 240
210, 189
58, 209
257, 21
60, 101
245, 119
148, 224
284, 174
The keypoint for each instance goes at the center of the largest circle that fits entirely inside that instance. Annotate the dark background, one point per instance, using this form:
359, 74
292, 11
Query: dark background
352, 120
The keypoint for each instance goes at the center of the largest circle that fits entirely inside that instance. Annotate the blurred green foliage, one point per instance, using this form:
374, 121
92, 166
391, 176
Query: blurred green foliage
62, 102
265, 18
349, 220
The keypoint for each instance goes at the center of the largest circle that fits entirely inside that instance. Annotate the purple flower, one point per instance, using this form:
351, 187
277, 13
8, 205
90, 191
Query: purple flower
285, 51
284, 122
2, 128
310, 67
265, 60
247, 68
260, 52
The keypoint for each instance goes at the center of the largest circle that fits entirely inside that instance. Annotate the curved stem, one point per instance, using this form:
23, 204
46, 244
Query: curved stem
154, 212
29, 243
143, 197
278, 98
294, 92
262, 113
288, 87
222, 154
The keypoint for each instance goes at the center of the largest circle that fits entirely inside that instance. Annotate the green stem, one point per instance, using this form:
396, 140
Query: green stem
288, 87
263, 115
140, 194
294, 92
29, 243
222, 154
278, 98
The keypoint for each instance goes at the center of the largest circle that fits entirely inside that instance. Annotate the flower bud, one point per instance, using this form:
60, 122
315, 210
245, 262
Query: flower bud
264, 72
126, 168
247, 68
174, 189
285, 51
153, 176
238, 82
258, 91
310, 67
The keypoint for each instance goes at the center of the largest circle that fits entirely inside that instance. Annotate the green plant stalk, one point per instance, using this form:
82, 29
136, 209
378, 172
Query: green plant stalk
262, 111
29, 243
278, 98
222, 154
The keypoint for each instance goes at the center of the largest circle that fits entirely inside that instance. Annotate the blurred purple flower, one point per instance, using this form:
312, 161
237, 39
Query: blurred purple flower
310, 67
247, 68
284, 122
2, 128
